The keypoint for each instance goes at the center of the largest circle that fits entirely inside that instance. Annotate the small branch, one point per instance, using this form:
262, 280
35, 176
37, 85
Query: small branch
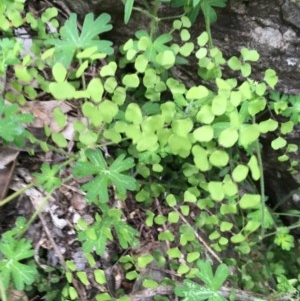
59, 255
209, 249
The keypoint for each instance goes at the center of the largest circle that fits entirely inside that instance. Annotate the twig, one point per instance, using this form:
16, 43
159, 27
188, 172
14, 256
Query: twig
59, 255
209, 249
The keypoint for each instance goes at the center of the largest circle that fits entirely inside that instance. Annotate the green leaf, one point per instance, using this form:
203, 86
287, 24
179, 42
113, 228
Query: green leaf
197, 92
268, 125
147, 142
249, 133
234, 63
109, 69
12, 123
127, 235
59, 72
249, 201
110, 84
228, 137
238, 238
87, 53
254, 168
173, 217
100, 276
190, 196
221, 275
250, 55
133, 113
252, 226
160, 219
144, 43
107, 111
284, 239
59, 117
95, 89
132, 275
174, 253
216, 190
166, 59
260, 89
202, 40
201, 53
149, 283
144, 260
219, 158
257, 105
192, 256
183, 269
226, 226
182, 127
14, 251
228, 209
131, 80
166, 236
128, 10
240, 173
119, 96
104, 175
141, 63
82, 276
286, 127
200, 158
208, 10
246, 69
59, 140
192, 291
71, 40
22, 73
205, 115
62, 91
229, 187
88, 138
271, 78
185, 35
177, 24
48, 177
205, 273
204, 133
219, 105
186, 49
278, 143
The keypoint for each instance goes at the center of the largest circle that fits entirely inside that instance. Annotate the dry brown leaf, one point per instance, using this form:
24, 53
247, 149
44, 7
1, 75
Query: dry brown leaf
42, 111
7, 165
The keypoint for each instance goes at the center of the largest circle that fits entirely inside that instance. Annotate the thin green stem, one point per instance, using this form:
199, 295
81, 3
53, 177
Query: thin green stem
207, 27
2, 291
154, 19
53, 148
146, 13
295, 226
39, 209
261, 183
171, 17
147, 5
262, 187
16, 194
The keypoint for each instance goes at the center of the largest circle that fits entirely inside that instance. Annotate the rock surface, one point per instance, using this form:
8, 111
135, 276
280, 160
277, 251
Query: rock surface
272, 28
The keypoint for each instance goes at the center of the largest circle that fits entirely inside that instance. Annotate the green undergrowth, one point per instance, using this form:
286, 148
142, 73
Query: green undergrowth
189, 157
